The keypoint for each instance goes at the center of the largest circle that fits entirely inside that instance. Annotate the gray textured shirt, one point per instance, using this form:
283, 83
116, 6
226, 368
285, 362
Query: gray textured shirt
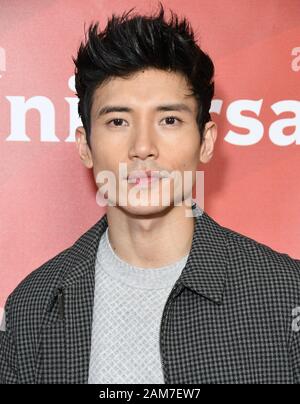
128, 306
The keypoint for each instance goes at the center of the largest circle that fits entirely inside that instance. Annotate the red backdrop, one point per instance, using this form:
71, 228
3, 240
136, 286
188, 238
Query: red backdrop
251, 185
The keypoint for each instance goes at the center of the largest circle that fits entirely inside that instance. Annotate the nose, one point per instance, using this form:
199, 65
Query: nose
143, 145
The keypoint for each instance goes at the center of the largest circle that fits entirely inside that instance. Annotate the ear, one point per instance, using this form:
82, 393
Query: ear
83, 148
209, 138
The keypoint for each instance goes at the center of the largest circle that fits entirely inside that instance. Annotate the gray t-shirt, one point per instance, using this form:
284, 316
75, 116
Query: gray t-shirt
128, 306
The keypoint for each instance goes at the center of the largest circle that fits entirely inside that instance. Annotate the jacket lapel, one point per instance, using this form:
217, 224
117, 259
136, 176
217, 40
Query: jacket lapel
206, 268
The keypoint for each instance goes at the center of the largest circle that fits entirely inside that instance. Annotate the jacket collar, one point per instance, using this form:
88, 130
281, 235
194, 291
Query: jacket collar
204, 272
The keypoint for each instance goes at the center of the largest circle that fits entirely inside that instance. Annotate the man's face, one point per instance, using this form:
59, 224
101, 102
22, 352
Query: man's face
148, 122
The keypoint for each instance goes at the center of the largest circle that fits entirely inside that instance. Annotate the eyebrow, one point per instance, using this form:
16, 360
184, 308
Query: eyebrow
166, 107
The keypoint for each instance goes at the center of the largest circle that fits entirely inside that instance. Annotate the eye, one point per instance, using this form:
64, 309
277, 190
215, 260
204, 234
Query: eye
116, 122
170, 120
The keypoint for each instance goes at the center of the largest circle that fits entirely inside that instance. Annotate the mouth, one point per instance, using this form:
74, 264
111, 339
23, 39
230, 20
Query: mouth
143, 181
145, 177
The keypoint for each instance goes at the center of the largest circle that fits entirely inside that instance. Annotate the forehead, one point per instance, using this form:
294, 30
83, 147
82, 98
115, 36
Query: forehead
146, 87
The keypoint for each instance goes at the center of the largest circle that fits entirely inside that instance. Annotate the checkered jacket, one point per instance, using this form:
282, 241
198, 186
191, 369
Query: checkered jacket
233, 315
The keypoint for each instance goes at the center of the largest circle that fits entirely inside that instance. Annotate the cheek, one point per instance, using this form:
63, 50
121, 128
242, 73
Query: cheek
188, 158
110, 145
101, 161
107, 160
102, 149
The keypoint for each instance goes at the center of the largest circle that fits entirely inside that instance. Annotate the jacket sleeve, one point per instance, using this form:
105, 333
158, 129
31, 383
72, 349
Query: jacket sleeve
8, 356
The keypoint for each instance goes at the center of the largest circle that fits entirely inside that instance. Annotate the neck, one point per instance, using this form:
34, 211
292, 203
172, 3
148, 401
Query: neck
152, 240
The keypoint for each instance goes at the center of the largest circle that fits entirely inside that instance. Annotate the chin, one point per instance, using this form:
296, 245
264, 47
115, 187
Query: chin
145, 210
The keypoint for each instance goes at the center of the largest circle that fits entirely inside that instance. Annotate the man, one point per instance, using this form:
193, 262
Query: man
152, 293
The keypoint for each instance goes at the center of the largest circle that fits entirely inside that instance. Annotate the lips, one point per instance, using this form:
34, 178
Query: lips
143, 174
147, 176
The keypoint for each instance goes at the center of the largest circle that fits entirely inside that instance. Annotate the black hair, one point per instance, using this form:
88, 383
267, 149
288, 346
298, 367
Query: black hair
129, 44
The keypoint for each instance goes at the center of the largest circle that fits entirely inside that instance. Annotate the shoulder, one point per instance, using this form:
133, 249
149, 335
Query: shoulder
48, 275
34, 291
259, 261
260, 252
